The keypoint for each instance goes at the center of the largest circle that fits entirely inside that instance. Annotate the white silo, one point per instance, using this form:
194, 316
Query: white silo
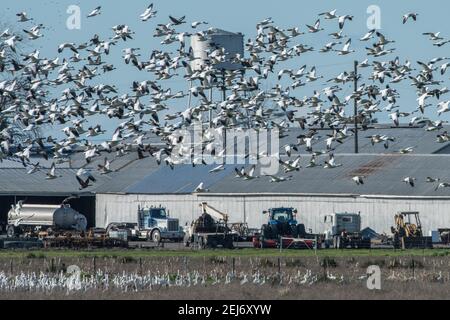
233, 43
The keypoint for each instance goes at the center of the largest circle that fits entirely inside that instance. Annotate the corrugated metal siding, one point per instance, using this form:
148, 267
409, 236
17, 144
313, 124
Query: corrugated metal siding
376, 213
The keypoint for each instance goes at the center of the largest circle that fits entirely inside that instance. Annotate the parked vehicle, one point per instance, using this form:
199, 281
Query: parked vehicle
282, 223
408, 232
444, 235
343, 230
127, 231
210, 230
34, 219
155, 224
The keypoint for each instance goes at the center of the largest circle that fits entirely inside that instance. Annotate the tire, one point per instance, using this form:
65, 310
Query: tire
300, 230
266, 231
11, 232
156, 236
337, 242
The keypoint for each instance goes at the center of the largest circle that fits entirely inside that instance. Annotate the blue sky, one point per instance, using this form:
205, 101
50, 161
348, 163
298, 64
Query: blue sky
242, 16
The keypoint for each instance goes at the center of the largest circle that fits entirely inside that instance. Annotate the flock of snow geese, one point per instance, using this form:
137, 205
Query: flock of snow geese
38, 92
101, 280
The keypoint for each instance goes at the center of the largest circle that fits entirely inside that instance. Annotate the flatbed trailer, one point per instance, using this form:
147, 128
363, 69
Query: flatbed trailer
212, 240
80, 243
287, 242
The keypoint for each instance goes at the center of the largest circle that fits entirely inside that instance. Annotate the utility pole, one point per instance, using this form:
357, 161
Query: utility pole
355, 111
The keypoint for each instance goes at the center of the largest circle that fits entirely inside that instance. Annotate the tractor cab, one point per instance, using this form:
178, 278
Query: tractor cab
282, 216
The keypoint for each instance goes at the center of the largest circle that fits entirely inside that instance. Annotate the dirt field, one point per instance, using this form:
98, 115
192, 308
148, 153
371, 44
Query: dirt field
266, 274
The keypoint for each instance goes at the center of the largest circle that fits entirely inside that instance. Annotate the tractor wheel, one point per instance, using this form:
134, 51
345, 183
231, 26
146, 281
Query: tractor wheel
266, 231
11, 231
301, 230
156, 236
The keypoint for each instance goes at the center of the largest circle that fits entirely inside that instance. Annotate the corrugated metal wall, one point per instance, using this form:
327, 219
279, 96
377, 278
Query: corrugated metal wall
376, 213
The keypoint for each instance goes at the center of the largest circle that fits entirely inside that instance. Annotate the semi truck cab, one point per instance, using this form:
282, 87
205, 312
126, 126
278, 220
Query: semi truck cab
155, 225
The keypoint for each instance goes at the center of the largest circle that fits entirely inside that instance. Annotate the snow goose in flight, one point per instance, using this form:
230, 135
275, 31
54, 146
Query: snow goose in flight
410, 15
409, 180
358, 180
342, 20
177, 21
315, 28
95, 12
148, 13
105, 168
279, 179
290, 166
83, 177
434, 36
330, 15
368, 35
217, 169
442, 185
331, 163
52, 173
346, 49
195, 24
200, 188
23, 17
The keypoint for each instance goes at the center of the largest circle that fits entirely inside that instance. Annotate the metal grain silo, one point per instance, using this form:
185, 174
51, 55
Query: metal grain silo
233, 43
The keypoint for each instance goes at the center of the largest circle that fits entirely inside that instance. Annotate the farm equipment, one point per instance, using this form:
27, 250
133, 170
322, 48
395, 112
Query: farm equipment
343, 230
154, 224
242, 233
282, 230
210, 229
408, 232
444, 235
126, 231
43, 220
53, 226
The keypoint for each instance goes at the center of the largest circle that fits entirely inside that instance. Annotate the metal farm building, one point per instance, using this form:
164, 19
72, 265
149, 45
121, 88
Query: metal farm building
315, 192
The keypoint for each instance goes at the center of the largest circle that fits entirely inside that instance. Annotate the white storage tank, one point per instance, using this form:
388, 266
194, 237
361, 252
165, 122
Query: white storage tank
233, 43
60, 216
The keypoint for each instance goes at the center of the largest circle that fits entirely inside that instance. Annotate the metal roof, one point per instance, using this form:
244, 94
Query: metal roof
383, 169
384, 175
16, 181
